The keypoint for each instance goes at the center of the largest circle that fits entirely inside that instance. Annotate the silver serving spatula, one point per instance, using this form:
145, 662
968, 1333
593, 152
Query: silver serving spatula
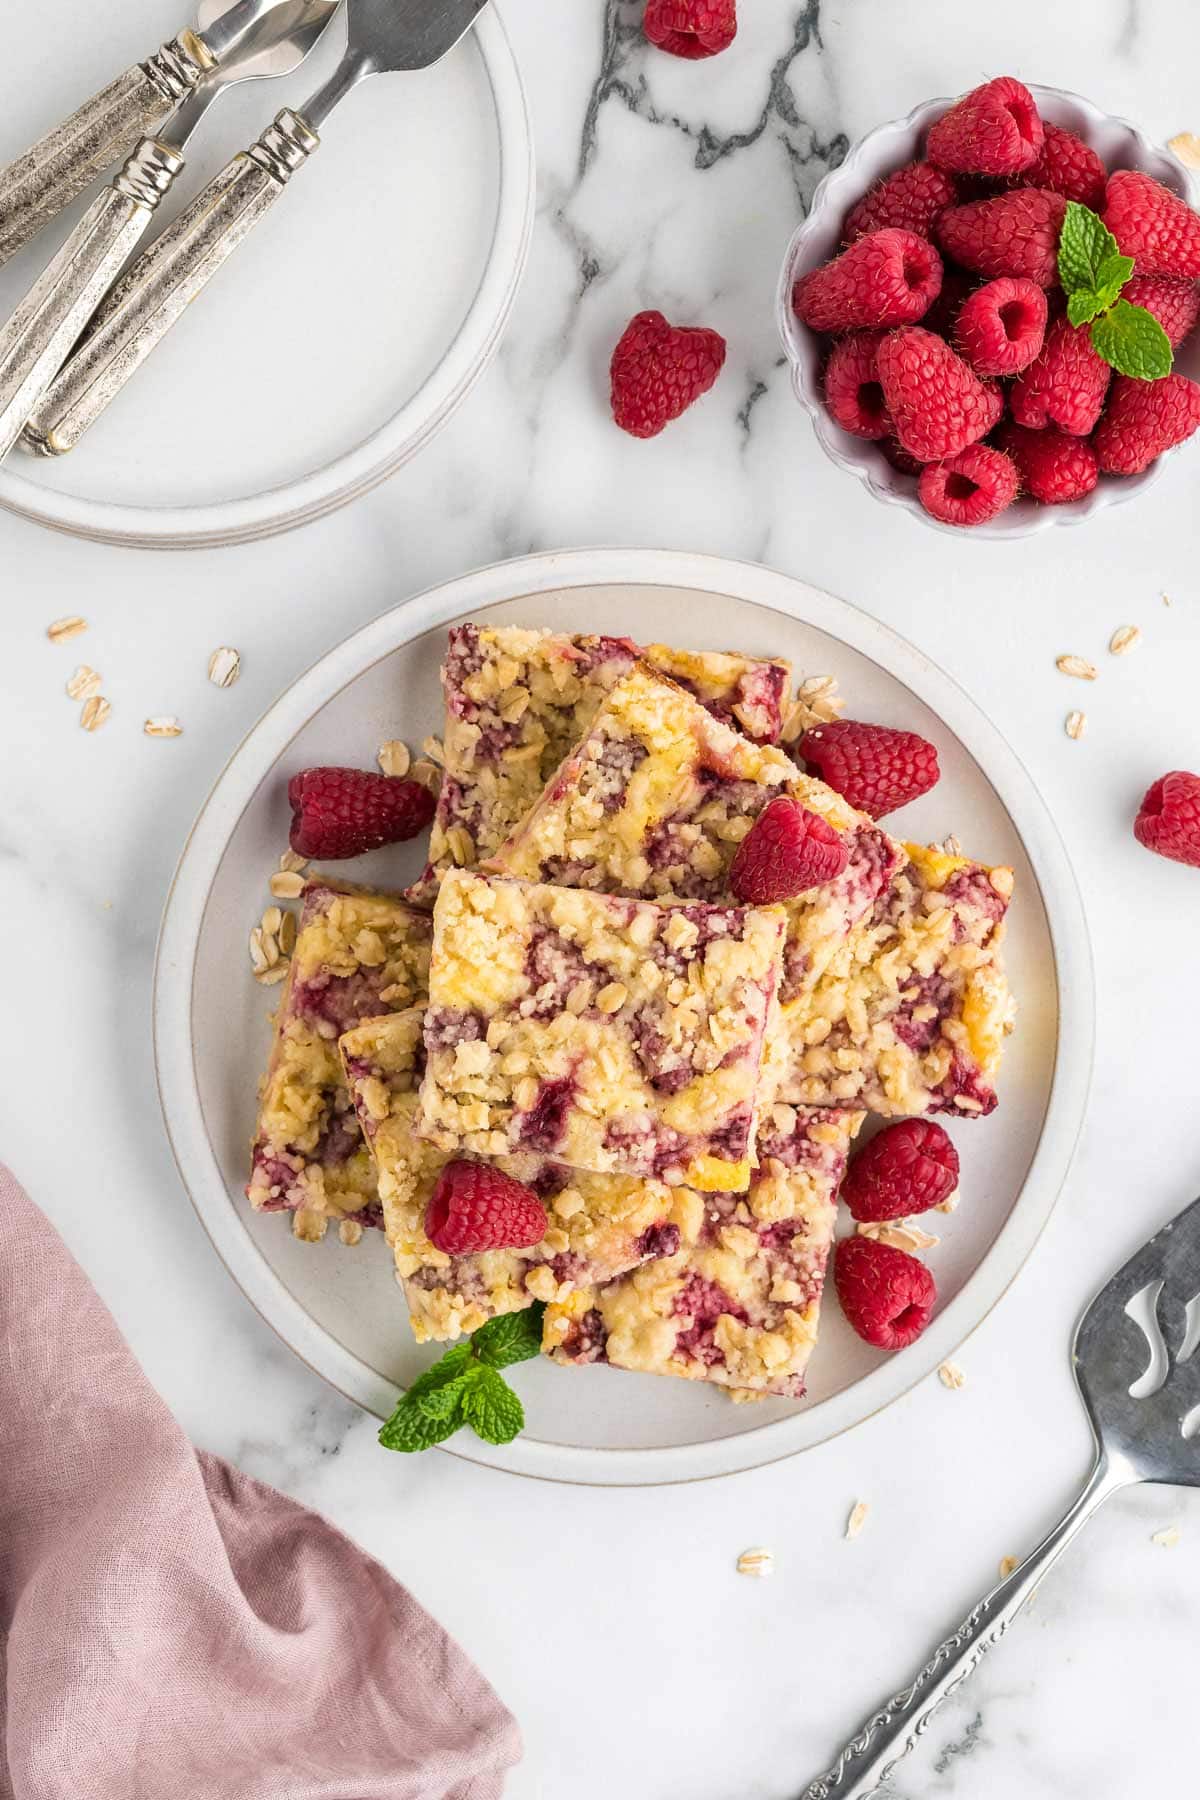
385, 37
1140, 1395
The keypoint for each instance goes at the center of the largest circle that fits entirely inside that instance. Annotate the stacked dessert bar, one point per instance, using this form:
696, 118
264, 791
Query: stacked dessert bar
572, 993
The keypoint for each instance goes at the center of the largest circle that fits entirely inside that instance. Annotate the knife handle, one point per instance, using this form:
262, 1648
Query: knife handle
164, 281
41, 333
37, 186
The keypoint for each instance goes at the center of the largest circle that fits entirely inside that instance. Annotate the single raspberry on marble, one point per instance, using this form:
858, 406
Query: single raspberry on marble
885, 278
875, 767
1174, 303
1015, 233
1069, 167
691, 28
1065, 385
1054, 467
970, 488
937, 402
475, 1207
908, 200
1001, 326
887, 1296
1168, 820
996, 129
659, 370
338, 813
1153, 225
906, 1168
852, 391
787, 851
1144, 418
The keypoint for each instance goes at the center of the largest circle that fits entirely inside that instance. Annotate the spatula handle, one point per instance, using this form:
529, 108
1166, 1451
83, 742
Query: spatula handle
38, 338
869, 1758
164, 281
37, 186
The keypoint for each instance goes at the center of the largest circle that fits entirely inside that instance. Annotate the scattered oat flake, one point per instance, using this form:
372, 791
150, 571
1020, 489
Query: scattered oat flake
1167, 600
272, 919
427, 773
350, 1231
857, 1519
1186, 146
395, 758
1076, 724
163, 728
1078, 666
1167, 1539
758, 1562
83, 684
900, 1234
951, 1376
94, 713
287, 934
224, 666
950, 1203
62, 629
268, 977
1007, 1565
1126, 638
290, 862
287, 884
433, 749
951, 846
259, 960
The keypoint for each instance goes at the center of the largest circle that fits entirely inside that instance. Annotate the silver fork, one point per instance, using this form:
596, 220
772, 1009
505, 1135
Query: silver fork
1138, 1412
384, 37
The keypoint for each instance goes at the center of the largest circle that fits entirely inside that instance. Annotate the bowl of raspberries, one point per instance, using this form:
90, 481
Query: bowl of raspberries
990, 311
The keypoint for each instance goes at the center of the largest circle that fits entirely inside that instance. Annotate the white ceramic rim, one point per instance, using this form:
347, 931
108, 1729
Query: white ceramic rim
531, 576
837, 191
379, 455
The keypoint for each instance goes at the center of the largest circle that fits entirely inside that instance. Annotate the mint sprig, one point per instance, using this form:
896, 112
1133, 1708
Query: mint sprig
465, 1387
1093, 272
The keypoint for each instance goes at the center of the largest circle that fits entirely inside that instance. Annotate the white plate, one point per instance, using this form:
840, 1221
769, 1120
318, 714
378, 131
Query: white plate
338, 1308
344, 331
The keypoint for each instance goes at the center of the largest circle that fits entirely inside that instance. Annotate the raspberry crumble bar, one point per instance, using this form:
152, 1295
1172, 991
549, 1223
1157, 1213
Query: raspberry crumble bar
356, 955
738, 1303
655, 801
911, 1017
610, 1034
597, 1226
516, 702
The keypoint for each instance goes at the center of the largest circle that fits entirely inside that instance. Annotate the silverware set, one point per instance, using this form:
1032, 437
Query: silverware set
93, 317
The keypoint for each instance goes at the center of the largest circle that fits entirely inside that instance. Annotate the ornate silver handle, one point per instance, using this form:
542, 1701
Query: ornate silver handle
164, 281
37, 186
889, 1734
38, 338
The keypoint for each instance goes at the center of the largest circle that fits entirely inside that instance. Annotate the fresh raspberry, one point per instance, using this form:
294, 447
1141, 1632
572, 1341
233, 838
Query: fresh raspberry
909, 200
994, 130
875, 767
1014, 234
1000, 327
970, 488
906, 1168
659, 370
1175, 304
943, 314
887, 1296
1144, 418
1153, 225
938, 403
787, 851
475, 1207
1065, 385
1069, 167
691, 28
900, 458
1054, 468
885, 278
852, 391
1168, 820
345, 812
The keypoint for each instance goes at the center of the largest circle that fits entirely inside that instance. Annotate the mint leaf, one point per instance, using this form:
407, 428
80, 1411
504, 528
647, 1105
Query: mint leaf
1084, 304
1085, 245
512, 1338
418, 1424
1133, 342
448, 1368
492, 1410
1113, 273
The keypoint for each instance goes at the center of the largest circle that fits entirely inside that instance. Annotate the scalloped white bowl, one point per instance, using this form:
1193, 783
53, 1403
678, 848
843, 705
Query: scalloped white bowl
888, 147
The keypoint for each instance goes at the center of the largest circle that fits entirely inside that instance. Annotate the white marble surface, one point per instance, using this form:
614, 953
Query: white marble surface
639, 1663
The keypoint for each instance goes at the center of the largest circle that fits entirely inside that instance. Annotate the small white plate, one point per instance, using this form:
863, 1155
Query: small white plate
345, 330
338, 1308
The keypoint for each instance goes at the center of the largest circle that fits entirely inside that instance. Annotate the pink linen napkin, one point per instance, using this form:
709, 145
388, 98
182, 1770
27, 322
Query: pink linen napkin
169, 1627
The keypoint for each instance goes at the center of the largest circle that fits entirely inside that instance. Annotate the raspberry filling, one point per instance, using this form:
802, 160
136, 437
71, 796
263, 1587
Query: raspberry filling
704, 1302
544, 1125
